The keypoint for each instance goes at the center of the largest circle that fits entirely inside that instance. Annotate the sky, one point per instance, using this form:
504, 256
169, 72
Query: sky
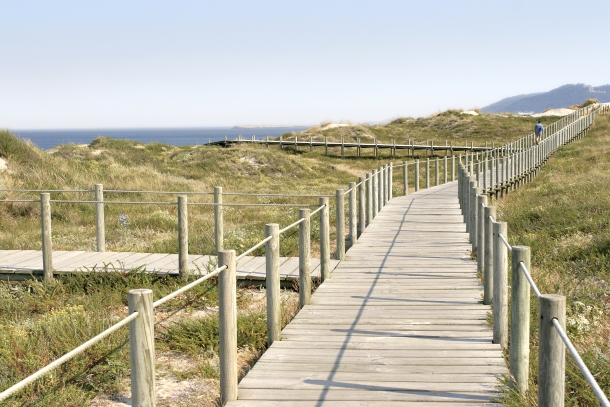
146, 64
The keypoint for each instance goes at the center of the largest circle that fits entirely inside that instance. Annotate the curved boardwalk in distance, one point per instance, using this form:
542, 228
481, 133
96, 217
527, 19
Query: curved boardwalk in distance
400, 323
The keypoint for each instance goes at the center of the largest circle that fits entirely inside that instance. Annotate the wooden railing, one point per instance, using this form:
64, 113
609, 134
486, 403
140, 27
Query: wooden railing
365, 199
500, 172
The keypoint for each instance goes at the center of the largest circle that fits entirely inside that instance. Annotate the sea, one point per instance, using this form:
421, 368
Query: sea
46, 139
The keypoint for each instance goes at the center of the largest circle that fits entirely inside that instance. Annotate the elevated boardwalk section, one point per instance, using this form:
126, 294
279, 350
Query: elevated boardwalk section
400, 323
23, 264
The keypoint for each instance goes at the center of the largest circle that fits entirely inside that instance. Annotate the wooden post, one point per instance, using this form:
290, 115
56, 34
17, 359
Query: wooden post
445, 161
218, 219
390, 180
405, 177
272, 282
472, 209
500, 286
227, 320
142, 348
352, 214
183, 236
369, 198
427, 172
340, 224
384, 186
47, 243
324, 240
100, 230
304, 258
520, 319
375, 193
489, 213
481, 204
361, 205
452, 166
437, 179
416, 174
380, 189
551, 355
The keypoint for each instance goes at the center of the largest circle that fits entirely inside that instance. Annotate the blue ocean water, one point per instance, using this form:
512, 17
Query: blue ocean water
46, 139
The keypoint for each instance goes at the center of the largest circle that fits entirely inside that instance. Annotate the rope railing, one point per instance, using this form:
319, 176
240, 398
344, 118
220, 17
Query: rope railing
530, 280
581, 365
508, 167
60, 361
374, 191
187, 287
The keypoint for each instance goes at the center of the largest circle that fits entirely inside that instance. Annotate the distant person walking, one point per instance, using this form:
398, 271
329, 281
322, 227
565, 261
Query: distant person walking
538, 130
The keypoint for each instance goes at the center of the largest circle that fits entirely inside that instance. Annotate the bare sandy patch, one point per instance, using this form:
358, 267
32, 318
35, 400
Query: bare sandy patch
554, 112
3, 165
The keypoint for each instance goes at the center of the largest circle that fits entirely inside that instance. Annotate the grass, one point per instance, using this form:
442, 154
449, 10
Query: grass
563, 216
40, 322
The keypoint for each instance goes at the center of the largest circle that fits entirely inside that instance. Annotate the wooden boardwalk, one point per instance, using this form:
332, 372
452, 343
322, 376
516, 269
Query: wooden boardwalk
21, 264
400, 323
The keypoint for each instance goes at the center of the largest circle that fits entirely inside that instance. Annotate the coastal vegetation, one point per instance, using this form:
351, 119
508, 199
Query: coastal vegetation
39, 322
563, 216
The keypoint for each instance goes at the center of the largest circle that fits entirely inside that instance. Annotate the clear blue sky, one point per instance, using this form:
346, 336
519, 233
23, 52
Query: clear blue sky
117, 64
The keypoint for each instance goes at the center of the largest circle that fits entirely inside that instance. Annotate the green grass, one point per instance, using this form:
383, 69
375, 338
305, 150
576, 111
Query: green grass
40, 322
563, 216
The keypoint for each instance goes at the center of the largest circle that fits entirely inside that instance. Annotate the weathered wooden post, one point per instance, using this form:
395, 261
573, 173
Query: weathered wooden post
551, 355
427, 172
352, 214
437, 178
390, 180
405, 177
218, 219
324, 240
500, 286
520, 319
452, 165
340, 223
369, 198
100, 229
227, 321
472, 208
304, 258
375, 193
384, 182
183, 236
272, 282
489, 213
47, 243
380, 187
416, 174
481, 204
445, 161
361, 205
142, 348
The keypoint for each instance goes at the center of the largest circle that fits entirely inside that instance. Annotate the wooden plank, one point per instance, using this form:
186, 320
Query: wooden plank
350, 403
399, 321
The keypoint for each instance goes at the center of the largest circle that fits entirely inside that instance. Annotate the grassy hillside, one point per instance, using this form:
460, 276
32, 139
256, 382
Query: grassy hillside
563, 216
39, 322
450, 126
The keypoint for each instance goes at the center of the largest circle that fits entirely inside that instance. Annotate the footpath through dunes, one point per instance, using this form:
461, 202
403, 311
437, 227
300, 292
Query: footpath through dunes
400, 323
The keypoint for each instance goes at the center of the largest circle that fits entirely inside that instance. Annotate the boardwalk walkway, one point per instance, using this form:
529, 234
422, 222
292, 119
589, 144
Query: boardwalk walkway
22, 264
400, 323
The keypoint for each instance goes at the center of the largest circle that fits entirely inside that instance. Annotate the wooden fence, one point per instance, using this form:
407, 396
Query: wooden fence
372, 192
500, 174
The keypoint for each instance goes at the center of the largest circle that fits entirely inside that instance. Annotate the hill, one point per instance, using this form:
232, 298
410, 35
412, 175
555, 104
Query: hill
562, 96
